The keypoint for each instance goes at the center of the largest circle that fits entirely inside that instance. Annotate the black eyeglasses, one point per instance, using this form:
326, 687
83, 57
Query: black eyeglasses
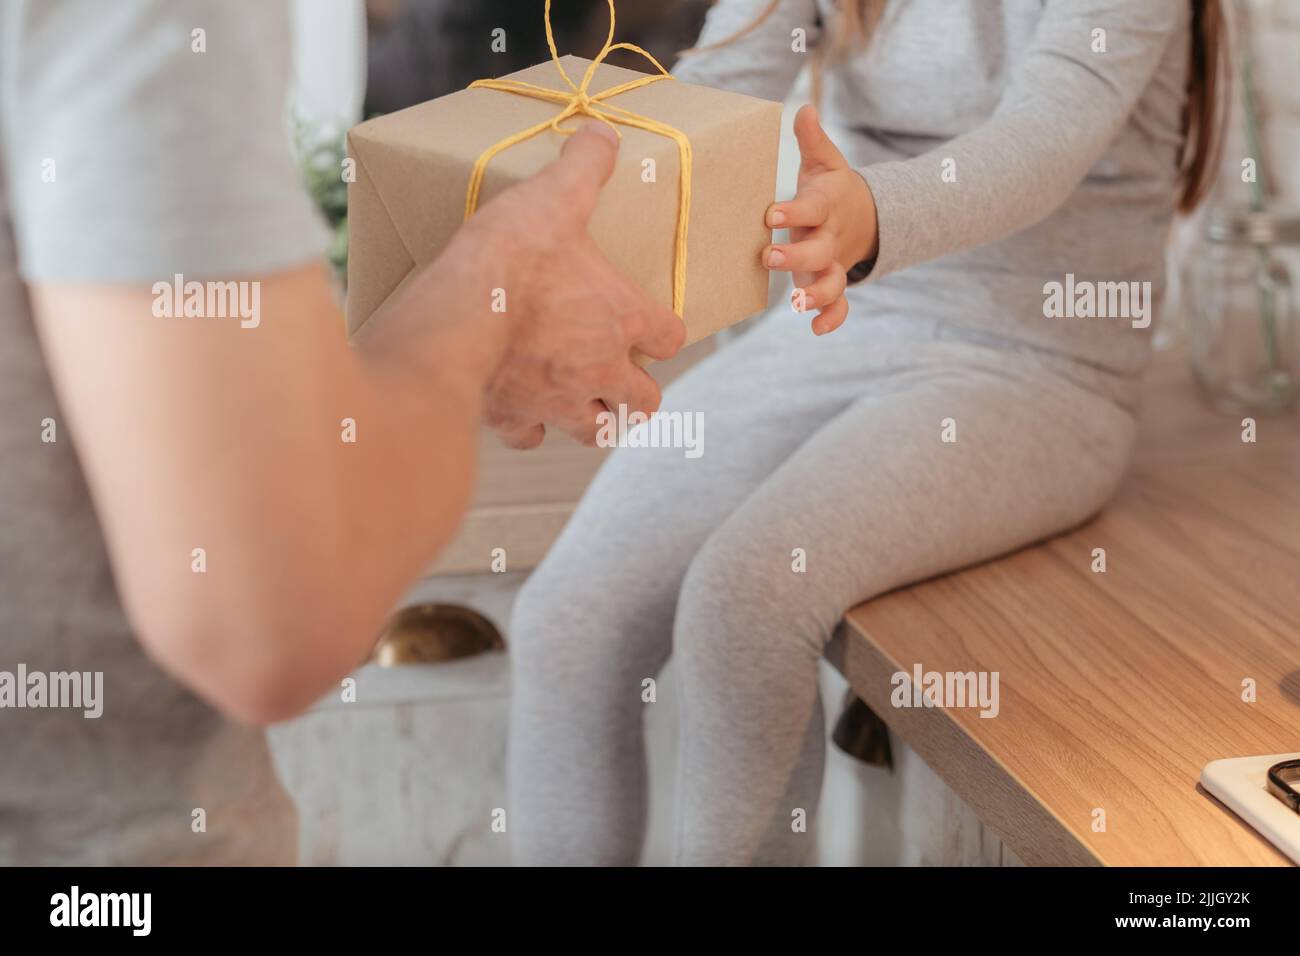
1280, 777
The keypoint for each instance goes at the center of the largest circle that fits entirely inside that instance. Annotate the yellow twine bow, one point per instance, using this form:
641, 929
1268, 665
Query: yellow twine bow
579, 102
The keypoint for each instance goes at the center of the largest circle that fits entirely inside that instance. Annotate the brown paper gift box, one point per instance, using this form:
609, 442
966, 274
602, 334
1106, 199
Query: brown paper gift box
413, 168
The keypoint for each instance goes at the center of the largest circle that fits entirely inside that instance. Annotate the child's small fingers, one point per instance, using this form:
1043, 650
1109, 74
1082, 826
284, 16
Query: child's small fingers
812, 255
831, 317
807, 210
823, 290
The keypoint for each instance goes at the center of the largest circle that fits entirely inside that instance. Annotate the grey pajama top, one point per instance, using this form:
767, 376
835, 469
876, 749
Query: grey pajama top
1008, 144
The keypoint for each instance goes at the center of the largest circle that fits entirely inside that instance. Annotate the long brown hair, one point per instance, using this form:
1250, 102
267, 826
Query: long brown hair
1202, 119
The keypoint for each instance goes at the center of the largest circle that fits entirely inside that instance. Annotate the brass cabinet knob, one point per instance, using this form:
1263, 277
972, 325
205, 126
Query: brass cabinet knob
434, 633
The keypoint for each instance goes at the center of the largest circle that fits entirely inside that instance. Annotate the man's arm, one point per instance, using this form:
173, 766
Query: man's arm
198, 433
195, 433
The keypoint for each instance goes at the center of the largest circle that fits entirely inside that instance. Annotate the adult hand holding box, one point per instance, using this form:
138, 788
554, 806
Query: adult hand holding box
414, 169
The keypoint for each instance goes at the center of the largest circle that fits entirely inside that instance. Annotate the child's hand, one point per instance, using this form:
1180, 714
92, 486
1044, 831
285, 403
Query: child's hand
832, 223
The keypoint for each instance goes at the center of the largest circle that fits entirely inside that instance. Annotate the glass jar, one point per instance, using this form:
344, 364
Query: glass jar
1241, 287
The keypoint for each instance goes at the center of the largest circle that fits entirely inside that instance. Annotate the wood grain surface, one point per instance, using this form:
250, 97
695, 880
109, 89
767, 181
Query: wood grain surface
1116, 688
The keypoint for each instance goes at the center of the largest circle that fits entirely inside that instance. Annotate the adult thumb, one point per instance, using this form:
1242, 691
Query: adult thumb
586, 162
815, 146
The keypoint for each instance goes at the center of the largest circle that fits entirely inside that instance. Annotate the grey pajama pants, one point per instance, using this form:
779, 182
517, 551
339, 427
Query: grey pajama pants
832, 445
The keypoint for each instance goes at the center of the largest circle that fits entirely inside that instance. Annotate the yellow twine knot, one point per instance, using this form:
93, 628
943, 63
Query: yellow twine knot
579, 102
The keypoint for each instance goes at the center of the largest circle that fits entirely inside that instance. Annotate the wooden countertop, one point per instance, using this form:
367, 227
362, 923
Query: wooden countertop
1116, 688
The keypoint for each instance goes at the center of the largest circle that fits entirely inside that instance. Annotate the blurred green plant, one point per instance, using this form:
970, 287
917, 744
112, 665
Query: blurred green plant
321, 151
